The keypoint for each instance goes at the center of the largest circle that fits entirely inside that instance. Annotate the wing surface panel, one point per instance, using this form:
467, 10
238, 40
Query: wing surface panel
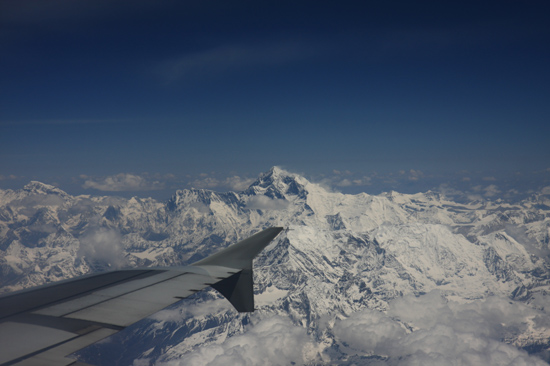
133, 306
26, 300
57, 355
20, 336
104, 294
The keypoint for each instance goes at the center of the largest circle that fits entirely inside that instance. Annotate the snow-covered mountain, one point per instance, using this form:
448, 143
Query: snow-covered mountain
354, 279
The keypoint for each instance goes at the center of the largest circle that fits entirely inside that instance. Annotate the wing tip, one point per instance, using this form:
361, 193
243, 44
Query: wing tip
239, 287
241, 254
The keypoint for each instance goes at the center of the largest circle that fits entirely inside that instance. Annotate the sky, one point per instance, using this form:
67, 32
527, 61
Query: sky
146, 97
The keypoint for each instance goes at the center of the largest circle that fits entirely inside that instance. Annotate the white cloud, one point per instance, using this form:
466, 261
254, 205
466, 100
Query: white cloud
193, 310
368, 330
39, 200
412, 174
348, 182
102, 245
491, 190
6, 177
444, 332
200, 207
489, 179
415, 175
545, 190
122, 182
234, 183
474, 197
237, 183
478, 192
425, 330
266, 203
344, 183
205, 183
142, 362
447, 191
273, 341
512, 192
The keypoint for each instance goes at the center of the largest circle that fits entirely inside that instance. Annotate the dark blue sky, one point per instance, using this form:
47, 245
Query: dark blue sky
141, 95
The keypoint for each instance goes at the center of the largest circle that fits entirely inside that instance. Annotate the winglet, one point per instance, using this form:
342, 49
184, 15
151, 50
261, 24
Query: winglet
240, 255
239, 288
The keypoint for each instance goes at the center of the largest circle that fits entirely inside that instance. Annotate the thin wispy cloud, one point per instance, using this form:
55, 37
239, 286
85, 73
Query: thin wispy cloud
122, 182
237, 183
205, 183
412, 174
234, 183
491, 190
8, 177
364, 181
194, 310
415, 175
266, 203
232, 57
345, 179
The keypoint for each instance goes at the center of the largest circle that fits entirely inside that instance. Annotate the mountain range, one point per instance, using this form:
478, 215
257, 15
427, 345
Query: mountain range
391, 279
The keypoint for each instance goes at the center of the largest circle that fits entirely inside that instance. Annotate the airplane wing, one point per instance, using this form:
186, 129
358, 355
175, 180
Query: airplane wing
41, 326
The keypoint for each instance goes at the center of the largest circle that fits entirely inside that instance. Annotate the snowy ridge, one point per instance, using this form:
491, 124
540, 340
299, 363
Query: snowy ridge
369, 259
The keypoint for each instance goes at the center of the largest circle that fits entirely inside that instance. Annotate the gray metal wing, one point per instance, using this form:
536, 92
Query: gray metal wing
41, 326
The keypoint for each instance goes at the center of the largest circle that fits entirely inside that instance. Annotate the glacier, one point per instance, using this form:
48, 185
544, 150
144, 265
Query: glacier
390, 279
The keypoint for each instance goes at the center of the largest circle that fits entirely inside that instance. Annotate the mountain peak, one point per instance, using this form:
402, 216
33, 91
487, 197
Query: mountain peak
35, 187
276, 173
277, 183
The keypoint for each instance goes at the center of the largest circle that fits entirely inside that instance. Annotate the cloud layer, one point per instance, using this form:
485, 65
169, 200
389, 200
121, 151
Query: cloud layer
273, 341
444, 332
426, 330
